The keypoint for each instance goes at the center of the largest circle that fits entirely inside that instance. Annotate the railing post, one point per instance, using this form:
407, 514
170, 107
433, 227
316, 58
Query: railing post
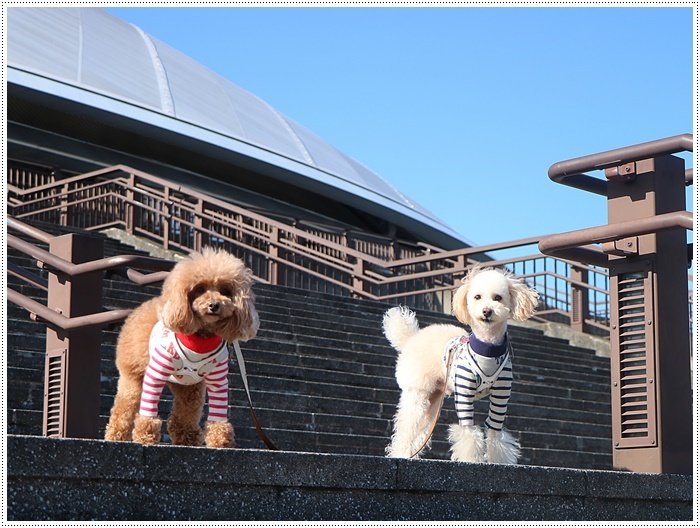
198, 225
650, 345
273, 252
64, 217
130, 209
72, 371
345, 241
359, 271
579, 299
166, 218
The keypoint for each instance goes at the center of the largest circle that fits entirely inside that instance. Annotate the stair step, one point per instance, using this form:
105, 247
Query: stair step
322, 377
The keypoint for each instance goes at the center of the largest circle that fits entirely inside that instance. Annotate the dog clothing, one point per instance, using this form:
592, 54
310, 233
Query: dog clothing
481, 369
186, 360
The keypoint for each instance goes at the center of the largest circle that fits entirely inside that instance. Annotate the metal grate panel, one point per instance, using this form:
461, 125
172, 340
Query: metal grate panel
633, 371
54, 392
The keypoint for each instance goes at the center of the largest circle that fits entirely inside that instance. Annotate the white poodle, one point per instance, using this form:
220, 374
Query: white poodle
479, 364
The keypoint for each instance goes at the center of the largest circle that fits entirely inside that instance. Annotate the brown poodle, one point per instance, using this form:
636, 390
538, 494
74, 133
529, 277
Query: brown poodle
180, 339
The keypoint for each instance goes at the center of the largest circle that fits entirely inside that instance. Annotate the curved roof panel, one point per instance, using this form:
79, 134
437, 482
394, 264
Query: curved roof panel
90, 50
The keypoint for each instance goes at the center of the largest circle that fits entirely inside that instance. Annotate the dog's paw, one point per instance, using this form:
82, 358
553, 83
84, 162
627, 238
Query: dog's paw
147, 430
185, 434
118, 432
502, 447
468, 443
219, 434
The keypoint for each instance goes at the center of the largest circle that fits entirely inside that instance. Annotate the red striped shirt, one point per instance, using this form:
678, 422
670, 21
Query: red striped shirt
161, 369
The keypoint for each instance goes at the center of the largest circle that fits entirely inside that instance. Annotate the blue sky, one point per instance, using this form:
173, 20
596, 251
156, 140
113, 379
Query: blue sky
463, 109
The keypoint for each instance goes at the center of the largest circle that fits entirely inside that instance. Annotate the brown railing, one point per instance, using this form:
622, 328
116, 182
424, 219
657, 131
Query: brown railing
645, 247
322, 258
74, 318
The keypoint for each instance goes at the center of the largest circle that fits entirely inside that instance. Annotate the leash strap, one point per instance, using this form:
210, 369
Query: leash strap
244, 377
450, 360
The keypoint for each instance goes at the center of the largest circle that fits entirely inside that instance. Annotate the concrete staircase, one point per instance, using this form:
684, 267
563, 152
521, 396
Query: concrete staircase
321, 375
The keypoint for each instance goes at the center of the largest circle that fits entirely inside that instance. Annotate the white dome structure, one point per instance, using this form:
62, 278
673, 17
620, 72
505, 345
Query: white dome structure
87, 86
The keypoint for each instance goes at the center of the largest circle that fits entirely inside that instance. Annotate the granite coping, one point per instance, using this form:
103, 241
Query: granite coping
54, 458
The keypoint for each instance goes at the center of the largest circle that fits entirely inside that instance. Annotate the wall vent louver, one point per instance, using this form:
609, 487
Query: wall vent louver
54, 393
635, 374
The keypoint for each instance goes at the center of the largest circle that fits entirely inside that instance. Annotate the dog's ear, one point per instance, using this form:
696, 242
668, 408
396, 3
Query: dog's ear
459, 299
459, 302
244, 323
523, 298
176, 312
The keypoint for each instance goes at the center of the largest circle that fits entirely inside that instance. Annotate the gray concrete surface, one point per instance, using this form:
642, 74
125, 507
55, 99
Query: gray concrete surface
61, 479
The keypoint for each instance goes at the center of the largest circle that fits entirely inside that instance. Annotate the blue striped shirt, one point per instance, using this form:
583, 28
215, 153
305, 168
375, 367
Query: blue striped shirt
473, 375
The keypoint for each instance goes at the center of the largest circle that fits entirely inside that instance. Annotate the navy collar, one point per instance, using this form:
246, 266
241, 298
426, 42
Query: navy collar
487, 349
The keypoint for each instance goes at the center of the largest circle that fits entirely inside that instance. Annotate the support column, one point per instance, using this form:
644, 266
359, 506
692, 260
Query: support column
72, 373
650, 343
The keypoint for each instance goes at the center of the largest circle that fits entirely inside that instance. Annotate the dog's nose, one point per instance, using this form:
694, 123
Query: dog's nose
488, 312
214, 307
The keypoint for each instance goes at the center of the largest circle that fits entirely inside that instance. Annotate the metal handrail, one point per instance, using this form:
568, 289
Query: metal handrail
32, 278
294, 232
554, 244
121, 265
41, 313
340, 264
36, 234
126, 186
570, 172
50, 261
354, 271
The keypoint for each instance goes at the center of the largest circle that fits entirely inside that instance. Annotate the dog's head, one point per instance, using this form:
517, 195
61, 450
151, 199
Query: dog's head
488, 297
209, 293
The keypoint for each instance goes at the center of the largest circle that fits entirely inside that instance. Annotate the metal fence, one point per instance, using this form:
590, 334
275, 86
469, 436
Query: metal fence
291, 253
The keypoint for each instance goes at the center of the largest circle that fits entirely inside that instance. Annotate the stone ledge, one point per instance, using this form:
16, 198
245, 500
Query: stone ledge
62, 479
141, 244
600, 345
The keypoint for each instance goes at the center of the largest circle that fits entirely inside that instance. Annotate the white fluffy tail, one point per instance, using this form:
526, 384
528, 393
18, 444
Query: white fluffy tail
399, 326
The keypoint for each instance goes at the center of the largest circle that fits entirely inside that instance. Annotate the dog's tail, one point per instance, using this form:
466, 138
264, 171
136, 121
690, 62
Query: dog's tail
399, 325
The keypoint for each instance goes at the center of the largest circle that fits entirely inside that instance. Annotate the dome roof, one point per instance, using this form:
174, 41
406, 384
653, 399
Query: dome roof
89, 56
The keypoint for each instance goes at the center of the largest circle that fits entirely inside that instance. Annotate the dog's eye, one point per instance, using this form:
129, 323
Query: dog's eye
198, 290
477, 297
226, 292
497, 298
